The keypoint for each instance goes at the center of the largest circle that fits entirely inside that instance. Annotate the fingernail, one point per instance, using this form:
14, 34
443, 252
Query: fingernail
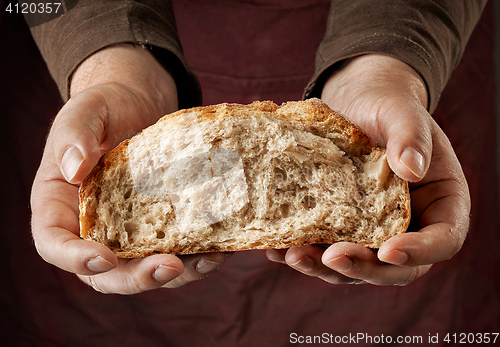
99, 264
304, 264
70, 163
205, 266
276, 255
395, 257
165, 273
413, 161
341, 263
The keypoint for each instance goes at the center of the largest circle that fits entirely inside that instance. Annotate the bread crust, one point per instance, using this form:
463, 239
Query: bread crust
312, 116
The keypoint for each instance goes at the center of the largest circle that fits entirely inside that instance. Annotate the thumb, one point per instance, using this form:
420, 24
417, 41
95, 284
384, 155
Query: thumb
407, 132
77, 133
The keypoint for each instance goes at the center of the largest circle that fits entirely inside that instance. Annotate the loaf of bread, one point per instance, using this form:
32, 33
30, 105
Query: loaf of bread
232, 177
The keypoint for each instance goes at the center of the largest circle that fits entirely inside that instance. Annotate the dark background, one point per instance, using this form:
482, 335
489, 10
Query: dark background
44, 306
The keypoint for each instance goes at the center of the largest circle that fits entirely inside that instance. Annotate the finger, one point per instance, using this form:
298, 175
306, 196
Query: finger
406, 128
432, 244
276, 255
76, 135
307, 260
93, 122
197, 266
55, 228
444, 225
361, 263
137, 275
68, 252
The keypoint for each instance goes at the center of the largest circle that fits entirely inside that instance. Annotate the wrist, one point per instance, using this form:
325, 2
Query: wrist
132, 67
357, 74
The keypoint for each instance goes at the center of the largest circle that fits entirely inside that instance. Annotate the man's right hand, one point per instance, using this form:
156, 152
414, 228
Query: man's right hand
115, 94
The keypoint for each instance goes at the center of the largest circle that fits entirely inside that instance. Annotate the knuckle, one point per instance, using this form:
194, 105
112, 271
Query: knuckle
41, 251
176, 282
132, 285
337, 278
91, 281
189, 275
413, 274
126, 287
369, 273
458, 241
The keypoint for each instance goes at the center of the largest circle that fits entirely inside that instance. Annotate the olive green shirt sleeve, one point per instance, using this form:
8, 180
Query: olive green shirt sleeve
92, 25
428, 35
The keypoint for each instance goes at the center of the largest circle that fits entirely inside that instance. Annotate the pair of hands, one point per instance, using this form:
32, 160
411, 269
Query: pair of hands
122, 89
